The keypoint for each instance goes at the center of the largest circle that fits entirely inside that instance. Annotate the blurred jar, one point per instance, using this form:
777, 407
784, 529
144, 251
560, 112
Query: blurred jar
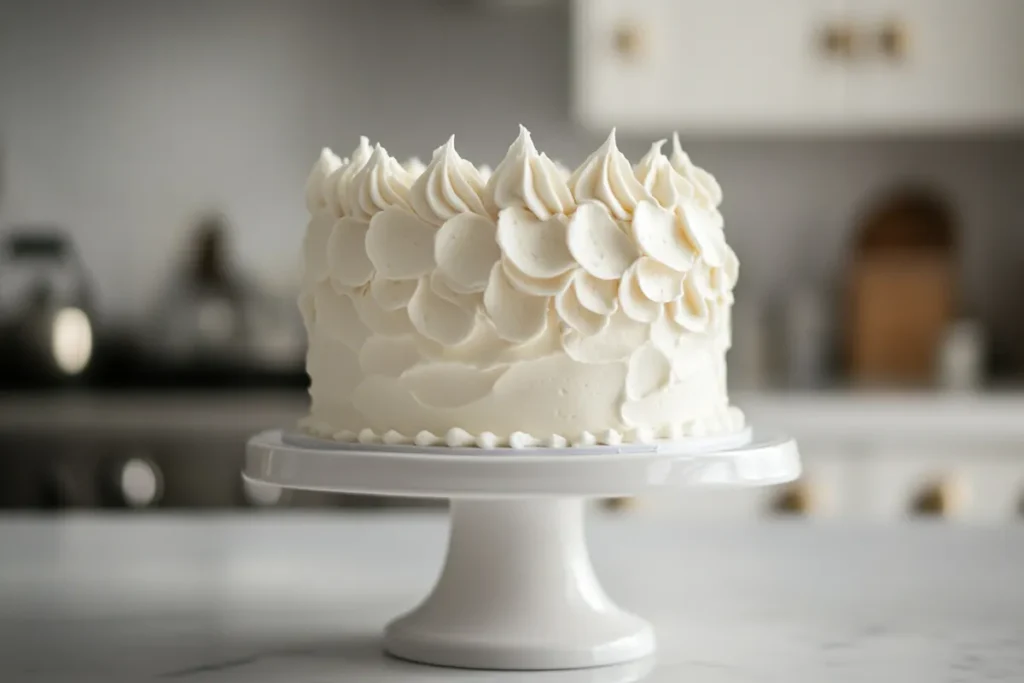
805, 340
961, 356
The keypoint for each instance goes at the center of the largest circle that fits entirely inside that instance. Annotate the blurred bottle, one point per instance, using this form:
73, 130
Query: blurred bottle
961, 356
213, 319
805, 338
748, 364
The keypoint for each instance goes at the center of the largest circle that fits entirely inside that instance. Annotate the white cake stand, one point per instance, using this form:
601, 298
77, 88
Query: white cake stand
517, 590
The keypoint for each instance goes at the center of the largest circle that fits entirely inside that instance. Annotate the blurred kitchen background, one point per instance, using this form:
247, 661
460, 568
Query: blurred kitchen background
152, 162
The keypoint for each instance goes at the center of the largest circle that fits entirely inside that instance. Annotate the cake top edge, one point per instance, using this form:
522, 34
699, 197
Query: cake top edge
369, 178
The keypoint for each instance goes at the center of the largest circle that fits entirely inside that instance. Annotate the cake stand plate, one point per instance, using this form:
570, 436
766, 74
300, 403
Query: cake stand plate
517, 590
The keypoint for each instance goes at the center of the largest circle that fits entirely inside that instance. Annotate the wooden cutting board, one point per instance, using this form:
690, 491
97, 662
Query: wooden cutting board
902, 290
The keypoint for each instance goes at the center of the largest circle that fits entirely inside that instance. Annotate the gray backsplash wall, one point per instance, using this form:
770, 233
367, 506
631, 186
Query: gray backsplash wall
123, 118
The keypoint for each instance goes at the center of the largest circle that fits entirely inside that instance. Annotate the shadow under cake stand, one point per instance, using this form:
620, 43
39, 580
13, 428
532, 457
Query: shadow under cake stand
517, 590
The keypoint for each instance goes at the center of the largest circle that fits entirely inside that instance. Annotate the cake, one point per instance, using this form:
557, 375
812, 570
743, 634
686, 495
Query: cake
448, 305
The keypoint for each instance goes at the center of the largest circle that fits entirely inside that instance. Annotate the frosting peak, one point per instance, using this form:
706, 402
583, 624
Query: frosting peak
414, 166
662, 181
530, 180
327, 163
450, 185
708, 189
650, 161
607, 177
336, 187
380, 184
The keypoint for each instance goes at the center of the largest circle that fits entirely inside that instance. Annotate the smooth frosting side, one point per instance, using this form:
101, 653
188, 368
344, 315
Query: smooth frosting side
536, 307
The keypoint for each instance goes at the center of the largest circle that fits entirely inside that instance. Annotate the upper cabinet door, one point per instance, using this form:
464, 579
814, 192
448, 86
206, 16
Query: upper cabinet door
937, 64
733, 65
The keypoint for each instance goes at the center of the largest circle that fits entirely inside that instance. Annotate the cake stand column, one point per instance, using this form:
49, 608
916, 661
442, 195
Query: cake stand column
518, 591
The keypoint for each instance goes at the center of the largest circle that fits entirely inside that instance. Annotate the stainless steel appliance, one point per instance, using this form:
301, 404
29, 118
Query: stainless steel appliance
46, 307
169, 448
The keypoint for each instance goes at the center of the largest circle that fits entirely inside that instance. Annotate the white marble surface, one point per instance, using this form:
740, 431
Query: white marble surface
302, 599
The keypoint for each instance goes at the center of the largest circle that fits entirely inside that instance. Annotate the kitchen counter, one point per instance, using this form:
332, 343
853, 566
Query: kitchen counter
890, 415
169, 411
302, 598
834, 413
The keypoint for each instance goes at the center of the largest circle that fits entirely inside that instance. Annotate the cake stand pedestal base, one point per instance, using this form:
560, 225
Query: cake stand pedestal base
518, 592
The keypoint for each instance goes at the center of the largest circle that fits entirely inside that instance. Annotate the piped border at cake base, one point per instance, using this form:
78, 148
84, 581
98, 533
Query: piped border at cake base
728, 421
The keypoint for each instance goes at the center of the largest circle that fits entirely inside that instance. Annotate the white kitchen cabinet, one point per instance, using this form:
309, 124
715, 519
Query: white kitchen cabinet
831, 485
871, 455
652, 64
969, 482
751, 66
937, 63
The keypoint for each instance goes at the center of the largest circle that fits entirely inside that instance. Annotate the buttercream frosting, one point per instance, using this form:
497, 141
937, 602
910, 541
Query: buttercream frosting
326, 164
534, 308
338, 182
530, 180
661, 180
414, 167
607, 177
381, 183
447, 187
707, 187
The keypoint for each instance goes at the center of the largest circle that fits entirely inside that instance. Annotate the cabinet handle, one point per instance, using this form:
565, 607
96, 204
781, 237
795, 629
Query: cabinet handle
618, 504
839, 41
940, 498
893, 40
795, 500
628, 41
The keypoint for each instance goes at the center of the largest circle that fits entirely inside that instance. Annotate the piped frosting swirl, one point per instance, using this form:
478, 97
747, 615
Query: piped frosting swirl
707, 187
327, 163
668, 187
448, 186
530, 180
607, 177
338, 182
380, 184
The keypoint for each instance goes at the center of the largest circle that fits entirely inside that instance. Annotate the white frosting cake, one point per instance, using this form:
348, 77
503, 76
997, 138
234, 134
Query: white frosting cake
446, 305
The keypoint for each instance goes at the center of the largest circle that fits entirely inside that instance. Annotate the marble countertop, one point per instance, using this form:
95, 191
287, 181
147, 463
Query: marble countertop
302, 599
